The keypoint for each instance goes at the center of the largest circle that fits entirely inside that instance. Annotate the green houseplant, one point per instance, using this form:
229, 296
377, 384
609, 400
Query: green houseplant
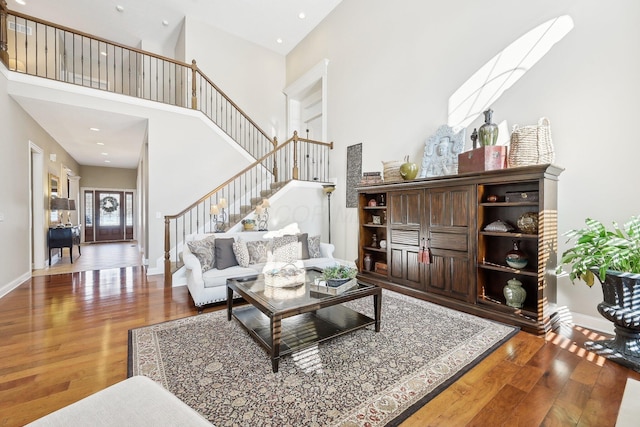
613, 256
338, 274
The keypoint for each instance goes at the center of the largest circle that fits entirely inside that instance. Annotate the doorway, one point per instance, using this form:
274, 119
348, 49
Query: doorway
108, 215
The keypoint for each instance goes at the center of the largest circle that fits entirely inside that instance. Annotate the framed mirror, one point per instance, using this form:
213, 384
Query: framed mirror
54, 191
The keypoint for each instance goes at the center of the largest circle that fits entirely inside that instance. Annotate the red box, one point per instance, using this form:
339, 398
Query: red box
487, 158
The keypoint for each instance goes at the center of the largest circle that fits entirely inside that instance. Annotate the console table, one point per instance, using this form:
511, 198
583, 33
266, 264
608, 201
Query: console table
63, 237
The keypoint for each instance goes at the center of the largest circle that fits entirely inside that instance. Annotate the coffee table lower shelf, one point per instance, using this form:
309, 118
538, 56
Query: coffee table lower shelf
303, 330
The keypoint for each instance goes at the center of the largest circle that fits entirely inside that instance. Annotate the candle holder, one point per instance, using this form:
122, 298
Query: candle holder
262, 215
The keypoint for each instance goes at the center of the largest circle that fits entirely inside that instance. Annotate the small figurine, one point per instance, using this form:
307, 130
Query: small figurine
474, 137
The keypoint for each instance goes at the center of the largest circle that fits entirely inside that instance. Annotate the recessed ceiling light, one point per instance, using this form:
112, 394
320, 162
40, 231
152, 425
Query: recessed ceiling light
103, 53
165, 23
95, 129
107, 161
100, 143
105, 154
22, 2
301, 15
279, 41
119, 8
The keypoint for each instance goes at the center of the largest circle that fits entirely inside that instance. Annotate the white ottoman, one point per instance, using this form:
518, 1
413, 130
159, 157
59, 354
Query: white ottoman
136, 401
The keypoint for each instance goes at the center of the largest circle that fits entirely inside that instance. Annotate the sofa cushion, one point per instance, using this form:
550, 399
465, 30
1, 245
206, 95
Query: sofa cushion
257, 251
303, 238
214, 278
314, 247
285, 248
225, 257
241, 252
204, 250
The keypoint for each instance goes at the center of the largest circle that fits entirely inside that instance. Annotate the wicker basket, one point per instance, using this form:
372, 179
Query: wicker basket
391, 170
531, 145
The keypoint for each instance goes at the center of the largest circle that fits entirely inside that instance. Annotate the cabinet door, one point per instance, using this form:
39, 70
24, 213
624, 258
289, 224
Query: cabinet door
405, 268
451, 215
405, 208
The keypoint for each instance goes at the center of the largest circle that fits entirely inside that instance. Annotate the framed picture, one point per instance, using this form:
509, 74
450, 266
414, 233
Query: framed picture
376, 219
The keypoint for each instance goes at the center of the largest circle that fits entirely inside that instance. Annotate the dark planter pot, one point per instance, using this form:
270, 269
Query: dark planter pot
621, 306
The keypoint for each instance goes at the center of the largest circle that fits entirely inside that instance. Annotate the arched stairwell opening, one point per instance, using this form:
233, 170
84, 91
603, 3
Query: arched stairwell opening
39, 48
223, 208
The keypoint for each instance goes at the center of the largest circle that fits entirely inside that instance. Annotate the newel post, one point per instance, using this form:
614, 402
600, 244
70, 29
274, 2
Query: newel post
295, 154
194, 98
167, 250
4, 54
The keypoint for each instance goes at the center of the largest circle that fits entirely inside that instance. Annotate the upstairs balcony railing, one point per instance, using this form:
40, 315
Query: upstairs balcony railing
238, 197
39, 48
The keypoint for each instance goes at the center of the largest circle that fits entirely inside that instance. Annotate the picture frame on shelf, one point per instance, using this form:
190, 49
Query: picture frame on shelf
376, 220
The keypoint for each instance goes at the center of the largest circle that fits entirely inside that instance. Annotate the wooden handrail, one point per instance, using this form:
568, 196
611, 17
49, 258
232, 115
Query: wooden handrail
92, 37
195, 70
212, 84
243, 171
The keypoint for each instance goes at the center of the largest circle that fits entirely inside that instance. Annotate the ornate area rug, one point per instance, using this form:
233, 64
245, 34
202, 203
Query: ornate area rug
363, 378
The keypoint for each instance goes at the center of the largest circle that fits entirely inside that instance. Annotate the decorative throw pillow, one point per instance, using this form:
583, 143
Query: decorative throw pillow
257, 251
242, 253
204, 250
304, 246
314, 247
285, 248
225, 257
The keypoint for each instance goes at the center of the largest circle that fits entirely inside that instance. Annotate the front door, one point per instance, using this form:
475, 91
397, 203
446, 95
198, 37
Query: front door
108, 215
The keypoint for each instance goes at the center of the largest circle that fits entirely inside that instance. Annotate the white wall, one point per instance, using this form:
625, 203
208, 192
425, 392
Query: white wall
391, 75
252, 76
18, 130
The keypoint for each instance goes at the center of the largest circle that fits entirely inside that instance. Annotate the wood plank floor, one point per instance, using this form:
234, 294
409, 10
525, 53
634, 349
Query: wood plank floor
64, 336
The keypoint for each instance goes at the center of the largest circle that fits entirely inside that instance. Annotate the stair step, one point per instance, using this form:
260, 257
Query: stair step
255, 201
266, 193
277, 185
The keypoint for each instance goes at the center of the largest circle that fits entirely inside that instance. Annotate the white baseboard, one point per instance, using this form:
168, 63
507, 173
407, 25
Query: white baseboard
599, 324
4, 290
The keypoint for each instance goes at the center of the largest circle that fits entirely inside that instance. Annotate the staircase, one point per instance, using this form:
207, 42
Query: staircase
72, 57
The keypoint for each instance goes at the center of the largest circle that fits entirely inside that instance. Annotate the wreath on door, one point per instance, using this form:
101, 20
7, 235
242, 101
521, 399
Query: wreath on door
109, 204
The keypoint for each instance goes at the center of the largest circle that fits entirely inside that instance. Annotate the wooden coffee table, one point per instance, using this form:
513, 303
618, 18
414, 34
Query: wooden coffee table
284, 320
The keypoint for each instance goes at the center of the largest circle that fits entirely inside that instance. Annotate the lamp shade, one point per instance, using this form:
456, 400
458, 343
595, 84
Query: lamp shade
59, 203
328, 188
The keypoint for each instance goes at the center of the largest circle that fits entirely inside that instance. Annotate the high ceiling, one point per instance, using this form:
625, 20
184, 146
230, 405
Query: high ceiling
273, 24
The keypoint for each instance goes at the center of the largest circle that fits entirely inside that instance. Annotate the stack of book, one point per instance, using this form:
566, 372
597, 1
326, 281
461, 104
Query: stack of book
371, 178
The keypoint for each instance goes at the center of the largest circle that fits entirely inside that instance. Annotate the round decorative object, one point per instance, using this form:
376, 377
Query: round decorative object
248, 224
373, 203
514, 293
516, 258
383, 244
408, 170
109, 204
528, 222
492, 198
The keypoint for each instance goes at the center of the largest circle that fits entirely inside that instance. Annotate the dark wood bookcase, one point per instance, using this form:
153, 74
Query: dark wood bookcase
466, 268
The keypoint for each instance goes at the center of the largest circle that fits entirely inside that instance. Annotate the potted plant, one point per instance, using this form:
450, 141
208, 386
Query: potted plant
613, 256
338, 274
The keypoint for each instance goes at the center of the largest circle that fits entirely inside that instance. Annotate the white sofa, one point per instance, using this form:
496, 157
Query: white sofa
208, 287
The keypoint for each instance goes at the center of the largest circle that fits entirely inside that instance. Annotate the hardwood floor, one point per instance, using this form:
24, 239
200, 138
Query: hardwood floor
64, 336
